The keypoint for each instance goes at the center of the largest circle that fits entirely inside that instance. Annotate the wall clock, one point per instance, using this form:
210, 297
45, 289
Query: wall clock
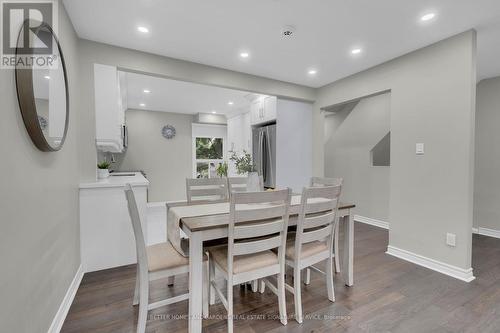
168, 131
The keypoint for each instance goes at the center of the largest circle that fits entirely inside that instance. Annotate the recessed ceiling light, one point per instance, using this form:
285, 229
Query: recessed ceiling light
244, 54
147, 91
230, 103
214, 112
46, 77
142, 29
142, 104
428, 17
356, 51
312, 72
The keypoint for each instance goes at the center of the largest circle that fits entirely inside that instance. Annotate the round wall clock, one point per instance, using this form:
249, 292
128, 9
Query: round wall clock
168, 131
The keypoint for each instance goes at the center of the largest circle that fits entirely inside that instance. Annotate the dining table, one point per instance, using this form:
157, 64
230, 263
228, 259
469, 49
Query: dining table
208, 227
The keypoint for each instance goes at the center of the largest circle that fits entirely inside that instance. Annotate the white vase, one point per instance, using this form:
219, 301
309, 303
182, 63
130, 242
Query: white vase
102, 173
253, 182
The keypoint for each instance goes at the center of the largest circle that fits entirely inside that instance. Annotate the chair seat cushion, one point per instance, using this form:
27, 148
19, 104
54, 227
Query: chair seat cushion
244, 263
164, 256
307, 250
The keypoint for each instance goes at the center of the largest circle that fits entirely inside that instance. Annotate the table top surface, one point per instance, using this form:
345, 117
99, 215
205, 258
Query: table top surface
200, 223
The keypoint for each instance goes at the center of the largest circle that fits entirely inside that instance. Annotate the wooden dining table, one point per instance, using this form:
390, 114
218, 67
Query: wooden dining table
206, 228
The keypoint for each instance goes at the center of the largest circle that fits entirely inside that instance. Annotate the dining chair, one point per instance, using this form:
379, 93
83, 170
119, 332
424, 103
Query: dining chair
239, 184
319, 182
313, 239
156, 262
258, 223
206, 190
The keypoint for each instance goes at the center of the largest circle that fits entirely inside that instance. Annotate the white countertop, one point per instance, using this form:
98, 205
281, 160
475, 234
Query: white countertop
115, 180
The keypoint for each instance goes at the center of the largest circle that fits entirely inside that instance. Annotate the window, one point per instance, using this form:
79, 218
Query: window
209, 153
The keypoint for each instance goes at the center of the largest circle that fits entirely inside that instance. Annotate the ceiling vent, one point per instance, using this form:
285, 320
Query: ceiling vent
287, 32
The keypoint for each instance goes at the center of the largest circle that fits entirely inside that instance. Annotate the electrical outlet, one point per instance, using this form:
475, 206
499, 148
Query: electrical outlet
419, 148
451, 239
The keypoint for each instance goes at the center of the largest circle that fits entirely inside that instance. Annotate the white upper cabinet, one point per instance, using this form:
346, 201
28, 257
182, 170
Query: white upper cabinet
263, 110
110, 106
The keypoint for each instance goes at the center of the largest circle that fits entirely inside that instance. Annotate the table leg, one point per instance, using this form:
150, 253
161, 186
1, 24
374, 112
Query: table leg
195, 282
348, 258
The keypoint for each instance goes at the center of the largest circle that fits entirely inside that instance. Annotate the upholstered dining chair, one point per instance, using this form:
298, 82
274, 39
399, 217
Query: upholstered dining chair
319, 182
156, 262
206, 190
313, 239
258, 223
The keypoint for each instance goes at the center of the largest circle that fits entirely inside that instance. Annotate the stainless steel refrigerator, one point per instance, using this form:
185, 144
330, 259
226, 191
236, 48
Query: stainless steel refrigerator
264, 153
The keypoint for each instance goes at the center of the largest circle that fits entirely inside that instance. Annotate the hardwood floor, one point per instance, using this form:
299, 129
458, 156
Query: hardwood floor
389, 295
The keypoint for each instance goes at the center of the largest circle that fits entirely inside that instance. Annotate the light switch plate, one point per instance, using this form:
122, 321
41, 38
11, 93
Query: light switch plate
451, 239
419, 148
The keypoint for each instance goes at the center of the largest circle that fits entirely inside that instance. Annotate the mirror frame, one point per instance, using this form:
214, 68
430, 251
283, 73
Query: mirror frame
26, 97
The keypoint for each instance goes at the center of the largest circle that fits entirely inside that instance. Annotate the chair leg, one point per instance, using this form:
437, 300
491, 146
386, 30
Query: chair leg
137, 286
282, 298
336, 248
262, 287
255, 286
211, 278
143, 305
307, 276
229, 307
297, 295
206, 290
329, 280
171, 280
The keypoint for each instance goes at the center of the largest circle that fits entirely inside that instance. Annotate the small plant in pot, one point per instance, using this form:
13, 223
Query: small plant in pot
222, 169
245, 166
103, 170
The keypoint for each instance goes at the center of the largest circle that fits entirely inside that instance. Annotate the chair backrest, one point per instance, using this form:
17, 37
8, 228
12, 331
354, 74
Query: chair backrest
321, 181
317, 216
135, 218
258, 221
239, 184
206, 190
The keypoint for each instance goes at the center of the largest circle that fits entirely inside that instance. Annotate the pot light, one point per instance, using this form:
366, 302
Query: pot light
356, 51
46, 77
428, 17
244, 54
142, 104
214, 112
142, 29
147, 91
230, 103
312, 72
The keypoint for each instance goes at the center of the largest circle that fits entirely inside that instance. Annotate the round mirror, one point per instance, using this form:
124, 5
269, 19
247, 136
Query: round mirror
42, 87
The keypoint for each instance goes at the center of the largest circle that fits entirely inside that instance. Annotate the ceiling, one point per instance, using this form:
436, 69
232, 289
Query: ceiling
216, 32
182, 97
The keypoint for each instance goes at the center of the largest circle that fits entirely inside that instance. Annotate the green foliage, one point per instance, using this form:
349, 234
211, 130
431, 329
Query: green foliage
243, 163
104, 165
209, 148
222, 169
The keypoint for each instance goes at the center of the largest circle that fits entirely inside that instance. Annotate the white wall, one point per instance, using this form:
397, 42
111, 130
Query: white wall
39, 240
352, 134
487, 172
293, 144
432, 101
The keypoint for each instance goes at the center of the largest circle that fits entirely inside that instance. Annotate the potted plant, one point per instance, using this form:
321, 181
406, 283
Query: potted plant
103, 170
244, 165
222, 169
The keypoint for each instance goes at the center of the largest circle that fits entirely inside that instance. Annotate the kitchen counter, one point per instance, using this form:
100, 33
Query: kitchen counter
118, 179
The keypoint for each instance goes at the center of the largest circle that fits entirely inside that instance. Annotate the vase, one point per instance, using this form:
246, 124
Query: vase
253, 182
102, 173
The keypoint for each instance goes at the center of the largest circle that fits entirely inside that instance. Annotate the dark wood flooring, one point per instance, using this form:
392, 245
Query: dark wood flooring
389, 295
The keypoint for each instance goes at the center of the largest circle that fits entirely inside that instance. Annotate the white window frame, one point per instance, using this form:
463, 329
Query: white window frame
208, 131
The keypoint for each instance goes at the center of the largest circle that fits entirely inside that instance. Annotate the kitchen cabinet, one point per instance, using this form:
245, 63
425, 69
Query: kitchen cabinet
110, 106
263, 110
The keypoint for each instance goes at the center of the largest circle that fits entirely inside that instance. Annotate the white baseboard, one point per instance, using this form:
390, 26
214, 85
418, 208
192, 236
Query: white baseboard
486, 232
61, 314
370, 221
441, 267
